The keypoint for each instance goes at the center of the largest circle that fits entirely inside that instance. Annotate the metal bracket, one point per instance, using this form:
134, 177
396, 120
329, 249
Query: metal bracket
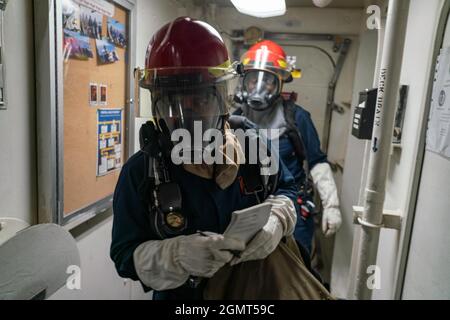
400, 115
338, 108
391, 219
338, 40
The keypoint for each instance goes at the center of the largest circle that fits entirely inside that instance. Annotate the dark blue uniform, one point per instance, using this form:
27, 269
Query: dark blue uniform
304, 229
206, 206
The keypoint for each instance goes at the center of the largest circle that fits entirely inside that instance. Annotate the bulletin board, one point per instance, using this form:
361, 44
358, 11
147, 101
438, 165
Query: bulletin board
93, 105
83, 185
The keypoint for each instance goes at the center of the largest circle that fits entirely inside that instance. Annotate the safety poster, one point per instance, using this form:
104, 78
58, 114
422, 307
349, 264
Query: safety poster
109, 141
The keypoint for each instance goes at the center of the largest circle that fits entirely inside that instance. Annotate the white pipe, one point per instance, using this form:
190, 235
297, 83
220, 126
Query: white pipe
380, 42
389, 83
366, 153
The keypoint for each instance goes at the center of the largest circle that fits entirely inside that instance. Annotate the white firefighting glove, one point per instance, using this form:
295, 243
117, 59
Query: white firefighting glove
168, 264
324, 182
282, 220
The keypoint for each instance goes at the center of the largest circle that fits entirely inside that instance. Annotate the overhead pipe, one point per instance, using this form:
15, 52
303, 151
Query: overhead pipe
389, 82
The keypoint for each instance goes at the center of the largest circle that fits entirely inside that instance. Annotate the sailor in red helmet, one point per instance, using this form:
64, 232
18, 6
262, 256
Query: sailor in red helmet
265, 71
169, 218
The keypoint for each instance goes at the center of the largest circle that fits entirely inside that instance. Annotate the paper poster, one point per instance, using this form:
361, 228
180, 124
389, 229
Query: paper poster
438, 135
77, 46
91, 23
71, 16
106, 52
116, 33
93, 94
101, 6
109, 155
103, 95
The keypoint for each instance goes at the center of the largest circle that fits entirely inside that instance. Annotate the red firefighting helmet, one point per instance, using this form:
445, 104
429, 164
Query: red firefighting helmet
187, 68
265, 71
267, 56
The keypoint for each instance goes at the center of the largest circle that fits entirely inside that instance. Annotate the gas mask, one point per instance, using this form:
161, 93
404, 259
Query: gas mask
186, 109
260, 89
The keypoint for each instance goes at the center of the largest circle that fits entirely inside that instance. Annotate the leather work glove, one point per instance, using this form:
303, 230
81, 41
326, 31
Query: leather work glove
168, 264
324, 182
282, 220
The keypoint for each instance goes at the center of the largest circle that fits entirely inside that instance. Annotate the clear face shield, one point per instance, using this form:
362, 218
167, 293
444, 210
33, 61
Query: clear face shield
194, 99
261, 88
191, 108
264, 74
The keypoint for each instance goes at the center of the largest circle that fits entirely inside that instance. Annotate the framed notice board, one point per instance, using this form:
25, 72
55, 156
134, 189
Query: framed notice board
85, 98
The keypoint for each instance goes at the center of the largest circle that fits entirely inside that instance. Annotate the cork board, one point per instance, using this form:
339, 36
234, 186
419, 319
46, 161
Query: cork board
83, 186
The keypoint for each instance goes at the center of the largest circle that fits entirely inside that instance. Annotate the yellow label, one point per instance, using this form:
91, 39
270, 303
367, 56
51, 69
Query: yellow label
296, 73
246, 61
220, 69
282, 63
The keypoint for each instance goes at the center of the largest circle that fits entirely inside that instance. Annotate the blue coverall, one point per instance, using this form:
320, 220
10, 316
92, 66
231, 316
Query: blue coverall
304, 229
206, 206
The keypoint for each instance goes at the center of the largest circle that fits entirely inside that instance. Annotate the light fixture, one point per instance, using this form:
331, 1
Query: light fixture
321, 3
261, 8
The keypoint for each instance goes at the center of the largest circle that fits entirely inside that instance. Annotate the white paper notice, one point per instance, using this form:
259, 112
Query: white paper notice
438, 135
101, 6
111, 164
246, 223
102, 168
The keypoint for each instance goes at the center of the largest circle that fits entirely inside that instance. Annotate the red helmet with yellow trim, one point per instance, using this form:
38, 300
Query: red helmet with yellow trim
265, 70
267, 55
186, 70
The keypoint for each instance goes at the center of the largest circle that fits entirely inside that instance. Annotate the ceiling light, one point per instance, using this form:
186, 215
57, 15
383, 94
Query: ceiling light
261, 8
321, 3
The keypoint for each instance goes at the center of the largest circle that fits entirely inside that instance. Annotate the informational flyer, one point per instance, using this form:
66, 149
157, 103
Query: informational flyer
93, 94
71, 16
101, 6
109, 155
438, 135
